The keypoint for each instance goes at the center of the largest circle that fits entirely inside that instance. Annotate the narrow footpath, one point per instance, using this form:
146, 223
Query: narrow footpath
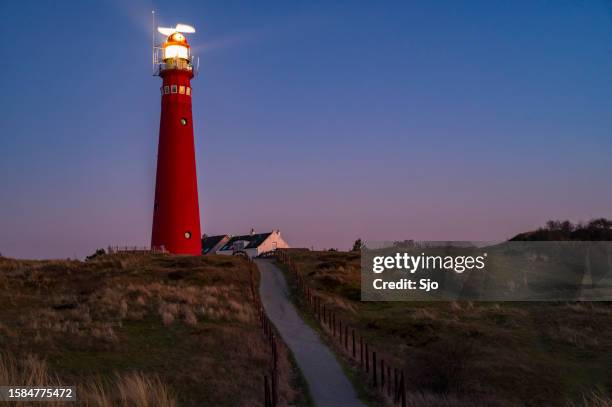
327, 383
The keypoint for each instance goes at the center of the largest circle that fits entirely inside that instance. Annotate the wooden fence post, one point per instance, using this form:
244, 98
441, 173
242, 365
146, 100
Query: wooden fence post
274, 352
345, 337
403, 390
274, 388
389, 380
382, 374
367, 358
361, 351
334, 324
353, 334
266, 392
395, 386
374, 369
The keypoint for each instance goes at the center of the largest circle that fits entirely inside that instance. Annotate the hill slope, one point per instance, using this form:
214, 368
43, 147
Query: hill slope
188, 322
466, 353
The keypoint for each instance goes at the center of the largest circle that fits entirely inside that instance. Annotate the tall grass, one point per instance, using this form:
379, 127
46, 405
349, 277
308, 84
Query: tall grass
128, 390
30, 371
131, 389
594, 399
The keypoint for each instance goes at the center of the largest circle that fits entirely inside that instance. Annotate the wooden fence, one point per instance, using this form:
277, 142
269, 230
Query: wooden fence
381, 370
133, 249
270, 380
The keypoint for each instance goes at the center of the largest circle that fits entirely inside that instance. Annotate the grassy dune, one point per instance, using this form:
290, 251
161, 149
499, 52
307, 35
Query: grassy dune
183, 329
464, 353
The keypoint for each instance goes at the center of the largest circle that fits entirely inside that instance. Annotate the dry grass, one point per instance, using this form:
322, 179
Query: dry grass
466, 353
418, 399
187, 321
30, 371
127, 390
593, 399
136, 389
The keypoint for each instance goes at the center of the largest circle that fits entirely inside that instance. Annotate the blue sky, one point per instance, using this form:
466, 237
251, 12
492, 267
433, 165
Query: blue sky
439, 120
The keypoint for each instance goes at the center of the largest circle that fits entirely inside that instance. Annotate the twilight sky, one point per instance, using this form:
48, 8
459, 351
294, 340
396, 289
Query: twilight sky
331, 120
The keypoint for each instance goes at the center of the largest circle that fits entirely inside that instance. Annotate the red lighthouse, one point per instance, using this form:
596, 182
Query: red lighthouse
176, 213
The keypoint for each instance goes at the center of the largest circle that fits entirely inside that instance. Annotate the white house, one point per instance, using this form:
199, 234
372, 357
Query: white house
253, 244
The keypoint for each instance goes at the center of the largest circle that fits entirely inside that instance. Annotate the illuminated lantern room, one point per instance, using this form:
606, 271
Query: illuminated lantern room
176, 46
174, 53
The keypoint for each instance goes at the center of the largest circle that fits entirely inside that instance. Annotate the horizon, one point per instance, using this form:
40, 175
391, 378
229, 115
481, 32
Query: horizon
391, 121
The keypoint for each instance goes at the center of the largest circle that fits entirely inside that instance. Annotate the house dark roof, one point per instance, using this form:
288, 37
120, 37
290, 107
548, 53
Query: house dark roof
254, 240
209, 242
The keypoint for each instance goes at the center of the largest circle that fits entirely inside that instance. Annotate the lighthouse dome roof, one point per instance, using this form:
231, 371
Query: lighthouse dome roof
177, 39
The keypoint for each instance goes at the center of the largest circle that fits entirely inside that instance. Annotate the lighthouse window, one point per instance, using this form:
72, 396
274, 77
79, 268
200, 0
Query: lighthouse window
187, 235
173, 89
188, 91
182, 90
166, 89
183, 121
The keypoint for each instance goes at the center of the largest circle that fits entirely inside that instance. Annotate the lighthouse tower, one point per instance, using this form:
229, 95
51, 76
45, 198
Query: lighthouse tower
176, 214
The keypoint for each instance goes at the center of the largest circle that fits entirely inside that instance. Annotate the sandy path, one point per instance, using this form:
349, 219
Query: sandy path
327, 383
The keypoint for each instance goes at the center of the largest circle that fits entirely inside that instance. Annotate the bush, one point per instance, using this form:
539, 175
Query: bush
98, 253
556, 230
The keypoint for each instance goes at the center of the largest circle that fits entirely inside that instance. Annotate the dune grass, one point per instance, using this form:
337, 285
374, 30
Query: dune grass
126, 390
182, 330
465, 353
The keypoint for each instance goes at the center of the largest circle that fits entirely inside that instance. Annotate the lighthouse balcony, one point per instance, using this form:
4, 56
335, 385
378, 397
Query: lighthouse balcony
174, 64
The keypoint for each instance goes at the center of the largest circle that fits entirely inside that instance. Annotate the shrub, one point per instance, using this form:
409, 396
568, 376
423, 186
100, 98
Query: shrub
97, 253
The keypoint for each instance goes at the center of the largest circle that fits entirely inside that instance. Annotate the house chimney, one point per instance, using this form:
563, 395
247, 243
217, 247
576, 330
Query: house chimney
252, 231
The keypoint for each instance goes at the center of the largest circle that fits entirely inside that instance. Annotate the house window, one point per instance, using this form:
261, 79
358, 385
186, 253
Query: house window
173, 89
188, 235
166, 89
188, 91
182, 90
183, 121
